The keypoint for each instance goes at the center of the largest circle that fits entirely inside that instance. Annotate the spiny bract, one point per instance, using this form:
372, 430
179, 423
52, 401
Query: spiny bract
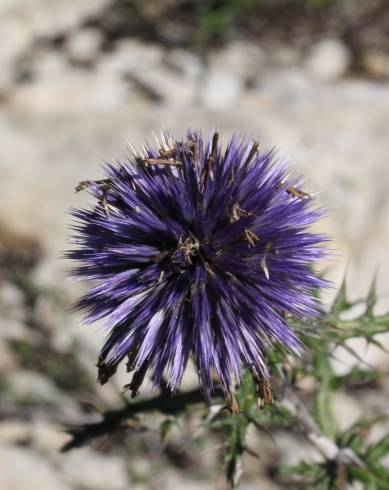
197, 252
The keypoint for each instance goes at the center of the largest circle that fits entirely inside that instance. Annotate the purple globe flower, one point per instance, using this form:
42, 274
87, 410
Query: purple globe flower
197, 252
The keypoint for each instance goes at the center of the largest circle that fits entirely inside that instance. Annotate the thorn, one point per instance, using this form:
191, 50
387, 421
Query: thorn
160, 278
253, 152
263, 261
251, 237
163, 161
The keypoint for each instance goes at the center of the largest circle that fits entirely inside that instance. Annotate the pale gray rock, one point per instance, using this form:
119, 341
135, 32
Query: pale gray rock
129, 56
21, 469
328, 60
11, 301
30, 386
185, 63
7, 361
48, 438
44, 18
84, 45
14, 431
18, 40
289, 84
376, 64
86, 469
347, 410
12, 329
79, 92
221, 90
294, 449
22, 23
47, 64
245, 60
164, 85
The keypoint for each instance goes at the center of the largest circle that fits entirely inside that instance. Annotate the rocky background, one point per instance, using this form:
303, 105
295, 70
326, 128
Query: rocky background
79, 80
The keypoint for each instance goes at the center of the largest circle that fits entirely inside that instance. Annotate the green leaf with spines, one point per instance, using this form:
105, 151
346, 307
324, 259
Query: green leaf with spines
375, 452
371, 299
340, 303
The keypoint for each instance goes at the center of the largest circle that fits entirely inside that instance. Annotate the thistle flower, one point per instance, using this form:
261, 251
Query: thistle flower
197, 252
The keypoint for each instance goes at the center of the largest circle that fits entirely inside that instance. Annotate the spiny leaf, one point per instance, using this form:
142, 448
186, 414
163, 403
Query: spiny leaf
340, 303
377, 451
372, 297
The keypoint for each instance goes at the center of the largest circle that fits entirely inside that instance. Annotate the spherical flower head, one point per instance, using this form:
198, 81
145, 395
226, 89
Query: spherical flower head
198, 252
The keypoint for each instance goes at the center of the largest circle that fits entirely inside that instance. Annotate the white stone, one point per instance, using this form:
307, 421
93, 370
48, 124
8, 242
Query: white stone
48, 438
11, 300
13, 329
129, 56
347, 410
244, 59
328, 60
47, 18
7, 360
86, 469
21, 469
32, 386
83, 46
165, 85
79, 92
12, 431
22, 23
221, 90
49, 65
185, 63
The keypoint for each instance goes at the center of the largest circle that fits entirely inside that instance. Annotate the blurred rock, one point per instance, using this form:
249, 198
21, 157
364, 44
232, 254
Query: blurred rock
289, 84
21, 469
163, 85
18, 40
89, 470
294, 449
346, 409
44, 18
48, 438
48, 64
376, 64
185, 63
221, 90
7, 361
83, 46
11, 301
328, 60
32, 387
245, 60
23, 23
129, 56
77, 92
11, 330
14, 431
